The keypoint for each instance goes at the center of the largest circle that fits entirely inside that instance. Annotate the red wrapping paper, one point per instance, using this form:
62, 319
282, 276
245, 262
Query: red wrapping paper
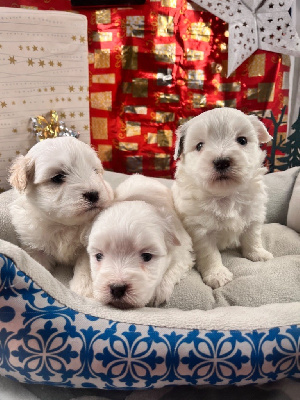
153, 67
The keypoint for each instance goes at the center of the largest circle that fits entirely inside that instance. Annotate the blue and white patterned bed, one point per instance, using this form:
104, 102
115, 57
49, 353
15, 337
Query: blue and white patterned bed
49, 336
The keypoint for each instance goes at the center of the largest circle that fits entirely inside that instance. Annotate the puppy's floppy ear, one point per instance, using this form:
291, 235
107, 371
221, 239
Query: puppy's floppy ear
262, 133
180, 133
169, 228
21, 172
84, 236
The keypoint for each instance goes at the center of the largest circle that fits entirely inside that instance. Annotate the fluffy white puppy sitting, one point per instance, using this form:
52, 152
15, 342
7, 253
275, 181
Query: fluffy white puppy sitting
59, 188
138, 248
218, 189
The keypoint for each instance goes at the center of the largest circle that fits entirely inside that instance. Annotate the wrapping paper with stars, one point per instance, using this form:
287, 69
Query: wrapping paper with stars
43, 66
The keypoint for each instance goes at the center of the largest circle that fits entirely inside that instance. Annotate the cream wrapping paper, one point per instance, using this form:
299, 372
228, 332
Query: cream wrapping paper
43, 67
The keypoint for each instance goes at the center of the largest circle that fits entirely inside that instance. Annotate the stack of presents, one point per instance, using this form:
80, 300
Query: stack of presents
126, 77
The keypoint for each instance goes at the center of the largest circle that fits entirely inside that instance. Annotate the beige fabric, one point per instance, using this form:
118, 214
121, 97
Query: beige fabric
255, 285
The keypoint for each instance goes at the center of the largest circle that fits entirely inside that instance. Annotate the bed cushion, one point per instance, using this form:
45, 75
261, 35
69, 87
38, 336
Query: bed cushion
245, 332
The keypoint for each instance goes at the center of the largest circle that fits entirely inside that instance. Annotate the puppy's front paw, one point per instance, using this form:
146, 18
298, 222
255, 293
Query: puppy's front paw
82, 286
259, 254
218, 277
162, 294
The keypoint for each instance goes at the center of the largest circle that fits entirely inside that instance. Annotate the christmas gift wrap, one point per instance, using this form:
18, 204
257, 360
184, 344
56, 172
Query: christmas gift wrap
154, 66
43, 75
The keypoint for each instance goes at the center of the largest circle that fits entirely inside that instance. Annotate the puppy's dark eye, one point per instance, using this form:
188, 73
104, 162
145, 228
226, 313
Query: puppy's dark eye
59, 178
242, 140
146, 256
99, 256
199, 146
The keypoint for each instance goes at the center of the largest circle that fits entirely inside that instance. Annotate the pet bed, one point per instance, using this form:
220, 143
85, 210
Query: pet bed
246, 332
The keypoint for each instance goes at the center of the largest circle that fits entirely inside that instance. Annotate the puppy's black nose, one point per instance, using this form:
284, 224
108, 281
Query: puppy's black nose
92, 197
221, 164
118, 291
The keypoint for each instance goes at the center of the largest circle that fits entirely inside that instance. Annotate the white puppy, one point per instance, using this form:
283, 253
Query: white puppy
138, 248
59, 188
218, 191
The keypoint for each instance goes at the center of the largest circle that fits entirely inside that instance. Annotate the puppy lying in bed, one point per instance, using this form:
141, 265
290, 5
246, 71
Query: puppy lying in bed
59, 188
138, 248
218, 190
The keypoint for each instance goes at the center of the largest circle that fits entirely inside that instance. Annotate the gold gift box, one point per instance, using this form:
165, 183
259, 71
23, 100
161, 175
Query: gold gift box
129, 57
135, 26
104, 78
257, 65
165, 26
164, 138
128, 146
164, 116
200, 31
99, 128
133, 128
103, 16
101, 100
165, 53
140, 87
102, 36
102, 58
105, 152
161, 162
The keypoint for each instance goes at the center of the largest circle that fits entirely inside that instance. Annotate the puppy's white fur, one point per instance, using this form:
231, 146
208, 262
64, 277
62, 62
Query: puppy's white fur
142, 221
224, 208
53, 184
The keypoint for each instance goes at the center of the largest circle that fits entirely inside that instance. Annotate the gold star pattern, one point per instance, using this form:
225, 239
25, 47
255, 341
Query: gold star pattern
74, 38
73, 127
17, 152
45, 89
51, 101
3, 104
42, 49
51, 63
62, 115
87, 98
62, 99
57, 99
24, 101
28, 48
13, 103
86, 127
30, 62
59, 64
15, 130
81, 88
69, 99
82, 39
34, 48
39, 90
41, 63
71, 89
52, 89
21, 47
81, 114
79, 98
12, 60
72, 114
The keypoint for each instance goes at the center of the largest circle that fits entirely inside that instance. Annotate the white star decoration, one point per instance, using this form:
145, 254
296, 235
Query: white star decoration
255, 24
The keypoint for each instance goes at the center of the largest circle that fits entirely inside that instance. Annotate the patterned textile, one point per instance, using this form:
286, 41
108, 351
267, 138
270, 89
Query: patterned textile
154, 66
43, 341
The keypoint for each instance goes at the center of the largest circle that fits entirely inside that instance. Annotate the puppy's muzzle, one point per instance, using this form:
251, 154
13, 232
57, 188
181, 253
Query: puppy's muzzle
222, 164
91, 197
118, 291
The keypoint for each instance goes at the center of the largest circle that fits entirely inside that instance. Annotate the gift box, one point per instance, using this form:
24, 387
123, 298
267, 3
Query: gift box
154, 66
43, 67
